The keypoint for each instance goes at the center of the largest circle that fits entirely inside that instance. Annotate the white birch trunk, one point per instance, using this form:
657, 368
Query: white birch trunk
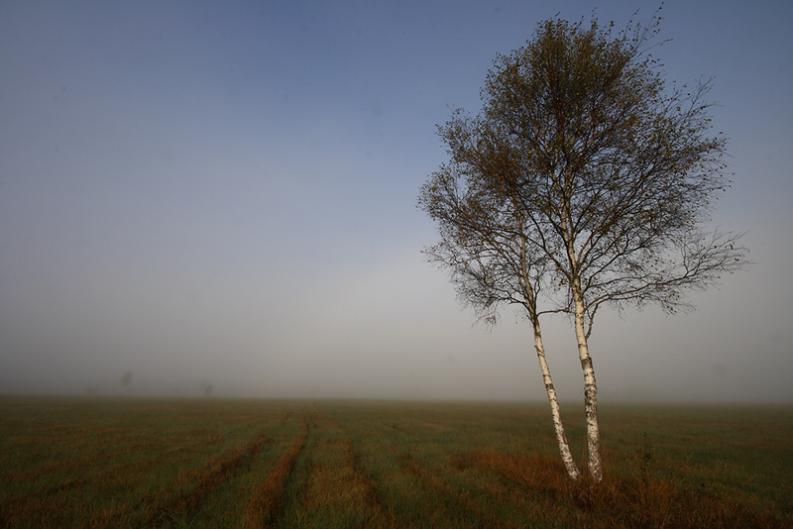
561, 438
590, 392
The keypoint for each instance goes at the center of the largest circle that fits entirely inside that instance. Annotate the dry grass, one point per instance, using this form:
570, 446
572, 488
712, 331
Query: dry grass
335, 490
638, 503
332, 465
206, 480
455, 498
268, 497
188, 491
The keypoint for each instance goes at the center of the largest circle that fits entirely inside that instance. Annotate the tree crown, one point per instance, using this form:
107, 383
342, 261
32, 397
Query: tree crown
584, 174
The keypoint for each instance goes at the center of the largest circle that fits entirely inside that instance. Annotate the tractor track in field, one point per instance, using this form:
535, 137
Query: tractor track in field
156, 509
460, 500
325, 483
381, 516
372, 494
207, 480
268, 498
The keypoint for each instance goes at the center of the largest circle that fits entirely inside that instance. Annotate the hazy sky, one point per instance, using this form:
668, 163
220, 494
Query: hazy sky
226, 192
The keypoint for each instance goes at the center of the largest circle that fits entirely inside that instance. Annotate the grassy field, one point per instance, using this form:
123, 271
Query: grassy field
333, 464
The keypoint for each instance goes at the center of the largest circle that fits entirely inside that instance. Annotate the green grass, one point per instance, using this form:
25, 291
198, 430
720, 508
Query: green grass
335, 464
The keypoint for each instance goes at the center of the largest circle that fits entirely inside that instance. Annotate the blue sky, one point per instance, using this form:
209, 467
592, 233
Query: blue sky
227, 190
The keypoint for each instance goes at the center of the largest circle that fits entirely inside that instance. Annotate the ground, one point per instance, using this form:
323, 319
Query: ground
214, 463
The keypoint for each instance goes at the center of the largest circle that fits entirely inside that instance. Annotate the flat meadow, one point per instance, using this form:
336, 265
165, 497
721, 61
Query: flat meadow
214, 463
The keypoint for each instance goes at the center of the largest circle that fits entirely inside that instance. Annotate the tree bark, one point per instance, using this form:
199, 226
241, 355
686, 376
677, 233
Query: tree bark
561, 438
590, 392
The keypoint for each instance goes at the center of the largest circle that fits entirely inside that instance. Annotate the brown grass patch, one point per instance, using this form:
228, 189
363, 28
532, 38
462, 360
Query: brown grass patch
64, 486
537, 472
631, 503
43, 469
268, 497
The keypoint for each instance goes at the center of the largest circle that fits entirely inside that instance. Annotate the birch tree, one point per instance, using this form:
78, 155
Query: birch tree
485, 244
611, 173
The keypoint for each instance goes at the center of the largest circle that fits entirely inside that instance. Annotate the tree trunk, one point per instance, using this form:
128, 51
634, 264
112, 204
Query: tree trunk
561, 438
590, 393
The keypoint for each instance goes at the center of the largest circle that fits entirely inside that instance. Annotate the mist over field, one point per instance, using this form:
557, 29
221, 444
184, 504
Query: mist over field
196, 193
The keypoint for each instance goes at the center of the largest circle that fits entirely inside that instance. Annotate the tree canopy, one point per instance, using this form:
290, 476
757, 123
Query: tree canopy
585, 179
